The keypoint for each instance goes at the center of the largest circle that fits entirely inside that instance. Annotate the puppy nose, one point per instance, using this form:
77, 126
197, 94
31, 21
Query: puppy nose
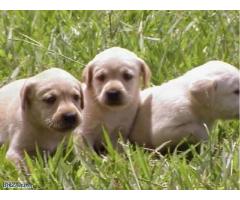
70, 118
113, 95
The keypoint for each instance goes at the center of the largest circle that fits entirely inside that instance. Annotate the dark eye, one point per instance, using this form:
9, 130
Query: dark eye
127, 76
76, 97
236, 91
50, 99
101, 77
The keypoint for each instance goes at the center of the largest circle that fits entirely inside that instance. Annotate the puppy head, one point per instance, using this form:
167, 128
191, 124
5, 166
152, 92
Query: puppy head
53, 99
114, 77
219, 94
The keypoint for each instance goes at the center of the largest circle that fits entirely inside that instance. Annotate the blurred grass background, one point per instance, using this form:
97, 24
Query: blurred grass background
171, 42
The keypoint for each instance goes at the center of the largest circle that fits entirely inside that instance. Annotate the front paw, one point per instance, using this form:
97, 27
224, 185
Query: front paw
17, 158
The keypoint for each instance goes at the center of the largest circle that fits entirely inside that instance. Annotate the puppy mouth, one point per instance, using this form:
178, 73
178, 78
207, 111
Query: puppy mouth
114, 103
62, 126
65, 127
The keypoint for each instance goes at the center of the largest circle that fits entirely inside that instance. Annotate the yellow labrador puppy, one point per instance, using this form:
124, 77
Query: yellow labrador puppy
40, 110
187, 106
112, 95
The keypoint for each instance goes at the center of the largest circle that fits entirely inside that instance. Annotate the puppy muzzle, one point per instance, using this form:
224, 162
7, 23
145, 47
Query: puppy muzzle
68, 121
114, 98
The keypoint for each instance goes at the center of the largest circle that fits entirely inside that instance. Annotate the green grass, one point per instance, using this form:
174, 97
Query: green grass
171, 42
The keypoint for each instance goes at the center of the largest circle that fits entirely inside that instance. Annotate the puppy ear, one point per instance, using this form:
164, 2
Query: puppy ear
88, 74
82, 97
26, 94
145, 72
203, 91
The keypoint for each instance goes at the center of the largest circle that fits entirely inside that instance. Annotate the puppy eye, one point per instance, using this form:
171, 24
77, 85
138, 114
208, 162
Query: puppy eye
101, 77
50, 99
236, 91
76, 97
127, 76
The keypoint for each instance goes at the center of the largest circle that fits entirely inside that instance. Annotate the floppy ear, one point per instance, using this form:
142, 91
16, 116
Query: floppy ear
203, 91
88, 74
82, 97
26, 94
145, 72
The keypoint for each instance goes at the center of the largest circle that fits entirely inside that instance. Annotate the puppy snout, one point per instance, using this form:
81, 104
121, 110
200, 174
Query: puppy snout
113, 95
70, 118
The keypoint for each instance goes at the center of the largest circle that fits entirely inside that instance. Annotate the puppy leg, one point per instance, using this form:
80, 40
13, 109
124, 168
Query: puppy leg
194, 131
81, 143
184, 134
16, 156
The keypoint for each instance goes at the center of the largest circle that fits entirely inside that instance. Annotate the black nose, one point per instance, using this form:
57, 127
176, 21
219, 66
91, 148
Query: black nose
69, 118
113, 95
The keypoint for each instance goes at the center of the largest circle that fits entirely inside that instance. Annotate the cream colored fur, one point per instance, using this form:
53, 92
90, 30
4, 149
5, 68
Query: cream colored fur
114, 70
187, 107
40, 110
